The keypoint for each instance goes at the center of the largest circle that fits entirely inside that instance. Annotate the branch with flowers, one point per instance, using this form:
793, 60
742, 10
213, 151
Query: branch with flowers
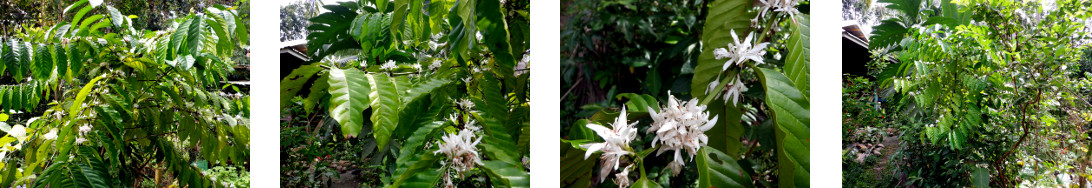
744, 122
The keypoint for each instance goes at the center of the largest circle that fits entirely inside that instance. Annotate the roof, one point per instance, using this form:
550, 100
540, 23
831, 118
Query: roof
853, 33
297, 48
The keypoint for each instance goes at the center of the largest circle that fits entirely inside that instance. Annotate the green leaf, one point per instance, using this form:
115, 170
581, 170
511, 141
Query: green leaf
195, 34
437, 10
75, 59
60, 59
462, 36
369, 29
382, 5
644, 182
423, 172
792, 119
639, 104
493, 113
493, 24
397, 18
116, 16
888, 33
577, 170
318, 93
293, 83
951, 10
43, 63
329, 31
716, 169
84, 29
77, 104
419, 109
92, 167
425, 88
348, 99
799, 51
504, 174
413, 162
980, 177
385, 103
909, 8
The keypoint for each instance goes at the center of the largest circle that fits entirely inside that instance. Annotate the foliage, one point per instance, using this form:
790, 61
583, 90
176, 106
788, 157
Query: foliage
229, 176
982, 87
667, 50
24, 15
861, 108
396, 76
98, 103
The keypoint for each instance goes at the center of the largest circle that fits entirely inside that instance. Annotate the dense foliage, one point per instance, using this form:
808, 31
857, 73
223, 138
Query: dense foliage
154, 15
94, 102
622, 60
986, 93
419, 91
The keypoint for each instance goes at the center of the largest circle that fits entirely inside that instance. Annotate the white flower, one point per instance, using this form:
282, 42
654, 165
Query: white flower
788, 7
467, 79
712, 85
51, 135
435, 64
523, 63
777, 56
741, 51
622, 178
95, 3
734, 91
461, 150
80, 140
416, 66
453, 118
85, 129
473, 126
766, 5
466, 104
390, 65
19, 132
616, 143
680, 126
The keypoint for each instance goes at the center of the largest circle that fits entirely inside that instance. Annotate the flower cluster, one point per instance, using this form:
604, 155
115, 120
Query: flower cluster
680, 126
741, 51
465, 104
616, 143
461, 150
390, 65
788, 7
737, 53
83, 133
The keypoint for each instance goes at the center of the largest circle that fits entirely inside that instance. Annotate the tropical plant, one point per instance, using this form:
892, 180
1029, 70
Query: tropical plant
735, 137
982, 87
97, 103
436, 87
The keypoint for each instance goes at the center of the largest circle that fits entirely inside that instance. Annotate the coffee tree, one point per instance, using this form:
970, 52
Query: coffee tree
984, 88
439, 87
93, 102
